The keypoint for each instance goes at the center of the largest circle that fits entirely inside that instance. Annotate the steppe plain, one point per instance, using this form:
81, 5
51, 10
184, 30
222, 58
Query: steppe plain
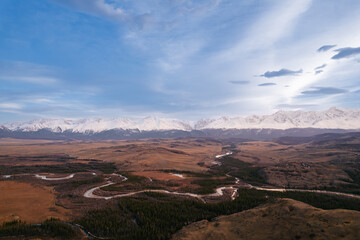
44, 179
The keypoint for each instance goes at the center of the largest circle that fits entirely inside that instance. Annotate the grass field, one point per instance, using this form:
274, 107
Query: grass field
25, 202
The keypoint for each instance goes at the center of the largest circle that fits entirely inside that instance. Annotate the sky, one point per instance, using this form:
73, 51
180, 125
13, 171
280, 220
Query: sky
186, 59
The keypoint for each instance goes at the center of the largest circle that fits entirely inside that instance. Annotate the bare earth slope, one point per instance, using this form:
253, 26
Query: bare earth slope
284, 219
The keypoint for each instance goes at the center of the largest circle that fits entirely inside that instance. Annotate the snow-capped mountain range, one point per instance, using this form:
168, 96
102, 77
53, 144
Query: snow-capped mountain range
333, 118
99, 124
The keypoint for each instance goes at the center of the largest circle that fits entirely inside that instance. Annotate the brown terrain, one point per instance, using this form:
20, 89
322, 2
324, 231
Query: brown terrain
187, 165
157, 175
180, 154
146, 157
26, 202
313, 164
284, 219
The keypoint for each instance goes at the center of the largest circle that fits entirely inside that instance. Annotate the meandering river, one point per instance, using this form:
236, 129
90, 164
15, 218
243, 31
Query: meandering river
218, 191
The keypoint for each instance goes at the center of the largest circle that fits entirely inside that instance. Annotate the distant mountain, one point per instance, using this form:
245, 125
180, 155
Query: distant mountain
327, 138
333, 118
281, 123
99, 124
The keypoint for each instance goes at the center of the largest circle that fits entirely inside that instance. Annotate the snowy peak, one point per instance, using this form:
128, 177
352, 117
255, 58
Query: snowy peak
333, 118
203, 123
99, 124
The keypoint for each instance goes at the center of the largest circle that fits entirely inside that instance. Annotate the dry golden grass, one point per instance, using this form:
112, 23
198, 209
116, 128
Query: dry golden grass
295, 175
304, 165
25, 202
270, 153
266, 153
284, 164
284, 219
135, 155
157, 175
13, 141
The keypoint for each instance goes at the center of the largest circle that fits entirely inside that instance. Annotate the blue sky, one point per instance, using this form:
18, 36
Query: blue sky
176, 58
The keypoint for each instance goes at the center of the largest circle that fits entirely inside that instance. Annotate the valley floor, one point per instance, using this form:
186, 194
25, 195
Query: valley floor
98, 184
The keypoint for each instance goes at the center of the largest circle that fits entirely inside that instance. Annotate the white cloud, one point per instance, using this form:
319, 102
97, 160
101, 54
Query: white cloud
16, 71
10, 106
108, 10
277, 23
176, 53
96, 7
279, 39
191, 51
31, 79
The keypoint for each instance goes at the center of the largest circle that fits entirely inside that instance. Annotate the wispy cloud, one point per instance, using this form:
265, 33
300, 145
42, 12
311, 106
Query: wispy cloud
239, 82
294, 106
140, 15
266, 84
326, 48
178, 57
27, 72
98, 8
175, 53
33, 79
13, 106
281, 73
324, 91
320, 67
278, 21
346, 52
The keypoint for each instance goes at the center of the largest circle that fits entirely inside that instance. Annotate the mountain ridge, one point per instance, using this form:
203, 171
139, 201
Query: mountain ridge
333, 118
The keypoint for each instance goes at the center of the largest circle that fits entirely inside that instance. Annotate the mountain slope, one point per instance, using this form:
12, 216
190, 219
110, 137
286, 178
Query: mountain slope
284, 219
